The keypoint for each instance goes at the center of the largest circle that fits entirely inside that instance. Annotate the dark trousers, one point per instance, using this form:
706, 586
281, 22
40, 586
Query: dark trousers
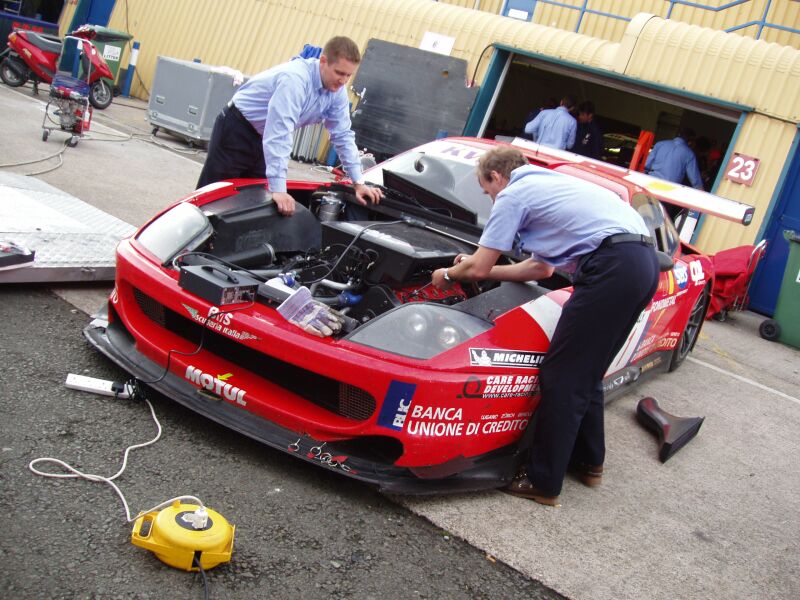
611, 288
234, 149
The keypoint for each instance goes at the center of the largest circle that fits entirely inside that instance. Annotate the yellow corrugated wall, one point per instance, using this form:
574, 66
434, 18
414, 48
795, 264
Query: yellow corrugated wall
762, 75
66, 16
251, 35
781, 12
490, 6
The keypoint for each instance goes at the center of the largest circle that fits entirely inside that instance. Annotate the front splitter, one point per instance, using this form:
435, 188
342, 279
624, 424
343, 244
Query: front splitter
114, 341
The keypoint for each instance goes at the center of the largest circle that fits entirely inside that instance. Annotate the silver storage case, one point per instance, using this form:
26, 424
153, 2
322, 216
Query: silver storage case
187, 97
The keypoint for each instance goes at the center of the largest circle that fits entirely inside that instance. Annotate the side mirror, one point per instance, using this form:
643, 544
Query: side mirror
665, 262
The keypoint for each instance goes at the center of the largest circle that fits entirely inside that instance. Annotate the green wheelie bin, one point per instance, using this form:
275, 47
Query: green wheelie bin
785, 324
110, 44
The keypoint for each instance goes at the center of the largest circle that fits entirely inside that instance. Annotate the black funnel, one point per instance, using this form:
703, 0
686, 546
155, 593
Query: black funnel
673, 432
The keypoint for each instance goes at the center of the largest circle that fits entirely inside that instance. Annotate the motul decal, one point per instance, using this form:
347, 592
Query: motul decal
218, 385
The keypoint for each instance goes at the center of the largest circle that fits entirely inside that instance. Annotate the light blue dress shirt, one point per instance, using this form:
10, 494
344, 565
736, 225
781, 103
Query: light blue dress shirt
288, 96
558, 218
673, 160
553, 127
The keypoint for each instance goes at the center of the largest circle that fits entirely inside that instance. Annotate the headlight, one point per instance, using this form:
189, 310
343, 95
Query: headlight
419, 330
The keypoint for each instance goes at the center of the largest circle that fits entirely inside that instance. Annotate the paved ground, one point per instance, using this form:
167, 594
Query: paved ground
718, 520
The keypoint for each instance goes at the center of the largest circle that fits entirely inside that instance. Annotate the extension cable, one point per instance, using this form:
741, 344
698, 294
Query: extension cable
182, 532
99, 386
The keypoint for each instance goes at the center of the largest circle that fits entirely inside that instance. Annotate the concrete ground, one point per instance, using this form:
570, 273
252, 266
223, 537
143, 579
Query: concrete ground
718, 520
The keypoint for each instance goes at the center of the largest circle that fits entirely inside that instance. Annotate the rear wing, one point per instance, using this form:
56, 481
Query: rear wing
666, 191
693, 199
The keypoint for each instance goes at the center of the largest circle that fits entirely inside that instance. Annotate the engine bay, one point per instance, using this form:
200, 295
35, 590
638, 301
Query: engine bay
362, 268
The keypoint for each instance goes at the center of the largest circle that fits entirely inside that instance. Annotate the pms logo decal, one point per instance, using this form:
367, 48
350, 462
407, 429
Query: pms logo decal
497, 357
218, 385
681, 275
396, 404
219, 322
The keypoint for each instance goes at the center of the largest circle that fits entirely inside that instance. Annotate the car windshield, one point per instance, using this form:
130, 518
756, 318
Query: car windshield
182, 228
443, 168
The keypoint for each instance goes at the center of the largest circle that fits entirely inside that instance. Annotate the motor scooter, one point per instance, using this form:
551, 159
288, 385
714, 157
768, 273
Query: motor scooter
33, 56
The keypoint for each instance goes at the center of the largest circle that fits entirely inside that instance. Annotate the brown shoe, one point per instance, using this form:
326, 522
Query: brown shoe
523, 487
589, 475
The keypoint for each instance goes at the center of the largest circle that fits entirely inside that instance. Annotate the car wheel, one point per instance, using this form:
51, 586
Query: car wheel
13, 72
692, 330
100, 94
769, 330
45, 135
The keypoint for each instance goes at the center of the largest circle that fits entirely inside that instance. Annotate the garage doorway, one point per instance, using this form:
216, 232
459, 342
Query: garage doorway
517, 85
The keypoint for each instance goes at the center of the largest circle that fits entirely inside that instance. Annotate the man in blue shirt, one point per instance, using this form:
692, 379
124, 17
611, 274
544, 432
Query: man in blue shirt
252, 136
673, 160
602, 241
555, 127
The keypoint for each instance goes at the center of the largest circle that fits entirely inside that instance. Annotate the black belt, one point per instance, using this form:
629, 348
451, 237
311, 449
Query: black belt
231, 109
621, 238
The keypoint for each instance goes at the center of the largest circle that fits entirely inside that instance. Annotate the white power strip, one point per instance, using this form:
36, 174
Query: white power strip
98, 386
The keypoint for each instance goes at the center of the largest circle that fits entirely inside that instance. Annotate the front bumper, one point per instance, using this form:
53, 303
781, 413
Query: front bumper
488, 471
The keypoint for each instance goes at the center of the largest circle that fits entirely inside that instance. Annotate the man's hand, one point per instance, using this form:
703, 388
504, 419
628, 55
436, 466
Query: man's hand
364, 193
438, 280
284, 202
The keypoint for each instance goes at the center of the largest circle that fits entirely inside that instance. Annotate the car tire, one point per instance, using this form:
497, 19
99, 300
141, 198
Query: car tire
769, 330
100, 94
692, 329
13, 72
45, 135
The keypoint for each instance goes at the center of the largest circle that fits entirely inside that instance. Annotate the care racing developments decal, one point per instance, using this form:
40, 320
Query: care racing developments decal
216, 384
500, 386
219, 321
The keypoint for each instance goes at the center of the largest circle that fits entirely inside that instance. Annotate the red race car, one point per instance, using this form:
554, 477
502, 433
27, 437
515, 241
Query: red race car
383, 377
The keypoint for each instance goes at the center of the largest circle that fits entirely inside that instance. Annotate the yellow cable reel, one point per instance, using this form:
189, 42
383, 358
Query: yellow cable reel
180, 532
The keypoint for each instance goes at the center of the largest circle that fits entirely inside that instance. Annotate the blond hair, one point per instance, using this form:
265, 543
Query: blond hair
502, 159
342, 47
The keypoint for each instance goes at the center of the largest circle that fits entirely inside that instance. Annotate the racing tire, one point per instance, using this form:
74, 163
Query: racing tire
13, 72
45, 135
769, 330
692, 330
100, 94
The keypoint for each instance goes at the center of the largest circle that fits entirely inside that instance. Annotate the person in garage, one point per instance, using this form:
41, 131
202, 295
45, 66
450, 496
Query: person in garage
585, 230
252, 136
674, 160
555, 127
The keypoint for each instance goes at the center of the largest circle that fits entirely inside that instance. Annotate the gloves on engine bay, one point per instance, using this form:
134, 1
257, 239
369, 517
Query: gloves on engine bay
310, 315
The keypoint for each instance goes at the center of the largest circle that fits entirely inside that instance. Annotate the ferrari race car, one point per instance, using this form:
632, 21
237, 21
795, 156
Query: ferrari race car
415, 390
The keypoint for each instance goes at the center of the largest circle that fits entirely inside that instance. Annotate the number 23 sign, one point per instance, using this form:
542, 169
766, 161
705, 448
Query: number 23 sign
742, 169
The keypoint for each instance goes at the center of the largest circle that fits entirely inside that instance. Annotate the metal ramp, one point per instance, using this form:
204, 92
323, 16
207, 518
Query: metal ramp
73, 241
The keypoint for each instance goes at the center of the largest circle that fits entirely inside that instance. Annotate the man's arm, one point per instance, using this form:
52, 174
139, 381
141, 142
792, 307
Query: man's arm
527, 270
693, 173
338, 124
651, 157
283, 115
572, 127
532, 128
